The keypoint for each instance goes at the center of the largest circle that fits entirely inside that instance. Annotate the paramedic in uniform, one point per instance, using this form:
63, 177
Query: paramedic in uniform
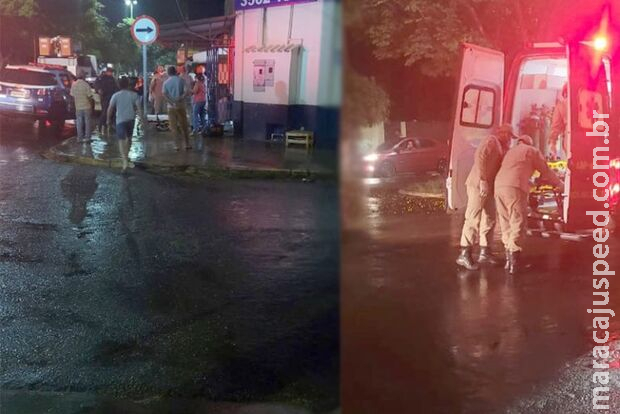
512, 187
558, 125
480, 212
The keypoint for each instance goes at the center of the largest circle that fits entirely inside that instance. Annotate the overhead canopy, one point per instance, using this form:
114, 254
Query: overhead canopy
202, 34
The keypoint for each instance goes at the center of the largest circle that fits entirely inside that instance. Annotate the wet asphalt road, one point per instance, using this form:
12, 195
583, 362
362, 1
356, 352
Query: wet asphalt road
418, 335
152, 285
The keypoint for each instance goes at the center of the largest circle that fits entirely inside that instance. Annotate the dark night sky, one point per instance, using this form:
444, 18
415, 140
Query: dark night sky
165, 11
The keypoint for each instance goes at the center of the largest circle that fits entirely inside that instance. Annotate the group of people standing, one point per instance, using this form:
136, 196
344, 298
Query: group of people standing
195, 91
499, 184
173, 91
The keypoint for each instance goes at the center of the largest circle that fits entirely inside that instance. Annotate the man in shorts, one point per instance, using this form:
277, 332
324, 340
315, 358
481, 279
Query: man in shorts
127, 104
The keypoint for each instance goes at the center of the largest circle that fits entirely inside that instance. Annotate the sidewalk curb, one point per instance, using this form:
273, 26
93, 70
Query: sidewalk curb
54, 154
417, 194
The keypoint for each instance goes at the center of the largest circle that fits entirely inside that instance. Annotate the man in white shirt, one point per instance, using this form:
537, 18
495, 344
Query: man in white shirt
82, 95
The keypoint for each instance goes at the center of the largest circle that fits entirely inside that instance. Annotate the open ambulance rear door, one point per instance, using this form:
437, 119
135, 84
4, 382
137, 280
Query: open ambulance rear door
587, 92
478, 111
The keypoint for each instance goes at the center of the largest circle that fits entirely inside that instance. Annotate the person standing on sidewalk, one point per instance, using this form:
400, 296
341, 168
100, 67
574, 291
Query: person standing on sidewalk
106, 87
199, 101
184, 73
156, 90
480, 212
83, 97
512, 187
175, 93
127, 104
139, 89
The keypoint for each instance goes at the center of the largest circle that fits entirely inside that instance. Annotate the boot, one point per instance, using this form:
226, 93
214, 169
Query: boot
507, 264
486, 257
466, 260
515, 263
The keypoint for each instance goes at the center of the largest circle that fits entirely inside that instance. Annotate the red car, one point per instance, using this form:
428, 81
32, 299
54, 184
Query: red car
407, 155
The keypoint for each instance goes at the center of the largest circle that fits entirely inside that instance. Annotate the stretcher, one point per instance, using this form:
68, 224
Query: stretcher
546, 207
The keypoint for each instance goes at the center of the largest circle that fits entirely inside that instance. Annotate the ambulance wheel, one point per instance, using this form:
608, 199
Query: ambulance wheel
387, 170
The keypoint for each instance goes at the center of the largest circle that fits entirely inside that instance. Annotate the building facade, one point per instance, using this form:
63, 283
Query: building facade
287, 68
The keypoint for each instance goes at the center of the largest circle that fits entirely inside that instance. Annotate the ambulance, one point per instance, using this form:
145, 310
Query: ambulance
525, 94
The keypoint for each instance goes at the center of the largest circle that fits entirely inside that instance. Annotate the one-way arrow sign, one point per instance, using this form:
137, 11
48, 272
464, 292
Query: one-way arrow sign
145, 30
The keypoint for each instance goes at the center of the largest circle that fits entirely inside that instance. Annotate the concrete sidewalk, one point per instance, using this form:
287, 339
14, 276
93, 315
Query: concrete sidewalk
224, 156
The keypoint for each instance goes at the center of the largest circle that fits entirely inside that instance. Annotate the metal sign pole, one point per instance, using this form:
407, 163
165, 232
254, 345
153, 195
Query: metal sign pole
144, 82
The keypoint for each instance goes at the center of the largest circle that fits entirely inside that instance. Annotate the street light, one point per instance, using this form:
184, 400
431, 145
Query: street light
131, 3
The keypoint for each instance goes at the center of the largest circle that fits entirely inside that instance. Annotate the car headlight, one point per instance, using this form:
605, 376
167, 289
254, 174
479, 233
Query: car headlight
371, 157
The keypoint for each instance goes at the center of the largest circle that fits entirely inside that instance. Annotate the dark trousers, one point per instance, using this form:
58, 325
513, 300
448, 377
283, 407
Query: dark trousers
105, 104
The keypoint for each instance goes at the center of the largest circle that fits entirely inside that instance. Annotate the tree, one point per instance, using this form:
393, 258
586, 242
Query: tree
427, 33
19, 8
15, 20
365, 102
22, 21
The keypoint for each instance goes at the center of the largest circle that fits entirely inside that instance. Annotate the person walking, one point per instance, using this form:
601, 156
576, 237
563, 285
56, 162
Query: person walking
480, 212
83, 97
127, 104
156, 90
106, 87
175, 93
199, 102
512, 187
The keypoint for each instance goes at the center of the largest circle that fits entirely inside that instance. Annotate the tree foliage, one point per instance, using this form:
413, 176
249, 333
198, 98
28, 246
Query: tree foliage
365, 102
18, 8
427, 33
83, 20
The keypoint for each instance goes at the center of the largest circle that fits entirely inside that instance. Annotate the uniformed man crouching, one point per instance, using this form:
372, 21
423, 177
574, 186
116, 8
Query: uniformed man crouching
480, 211
512, 186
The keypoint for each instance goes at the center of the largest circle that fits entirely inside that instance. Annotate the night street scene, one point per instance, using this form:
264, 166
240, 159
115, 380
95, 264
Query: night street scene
169, 206
457, 115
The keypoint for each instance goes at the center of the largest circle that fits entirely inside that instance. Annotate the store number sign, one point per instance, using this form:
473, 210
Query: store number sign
256, 4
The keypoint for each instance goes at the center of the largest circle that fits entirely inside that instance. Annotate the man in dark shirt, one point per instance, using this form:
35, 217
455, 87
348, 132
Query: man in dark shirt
106, 87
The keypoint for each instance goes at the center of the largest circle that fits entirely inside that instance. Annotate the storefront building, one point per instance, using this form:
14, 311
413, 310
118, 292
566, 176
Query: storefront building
287, 68
278, 61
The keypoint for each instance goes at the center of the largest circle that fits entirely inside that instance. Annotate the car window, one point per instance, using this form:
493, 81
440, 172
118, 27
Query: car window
425, 143
388, 145
406, 146
27, 77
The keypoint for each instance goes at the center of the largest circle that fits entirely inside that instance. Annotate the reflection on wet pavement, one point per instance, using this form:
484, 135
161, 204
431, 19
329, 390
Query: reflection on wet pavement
419, 335
145, 285
159, 148
78, 187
